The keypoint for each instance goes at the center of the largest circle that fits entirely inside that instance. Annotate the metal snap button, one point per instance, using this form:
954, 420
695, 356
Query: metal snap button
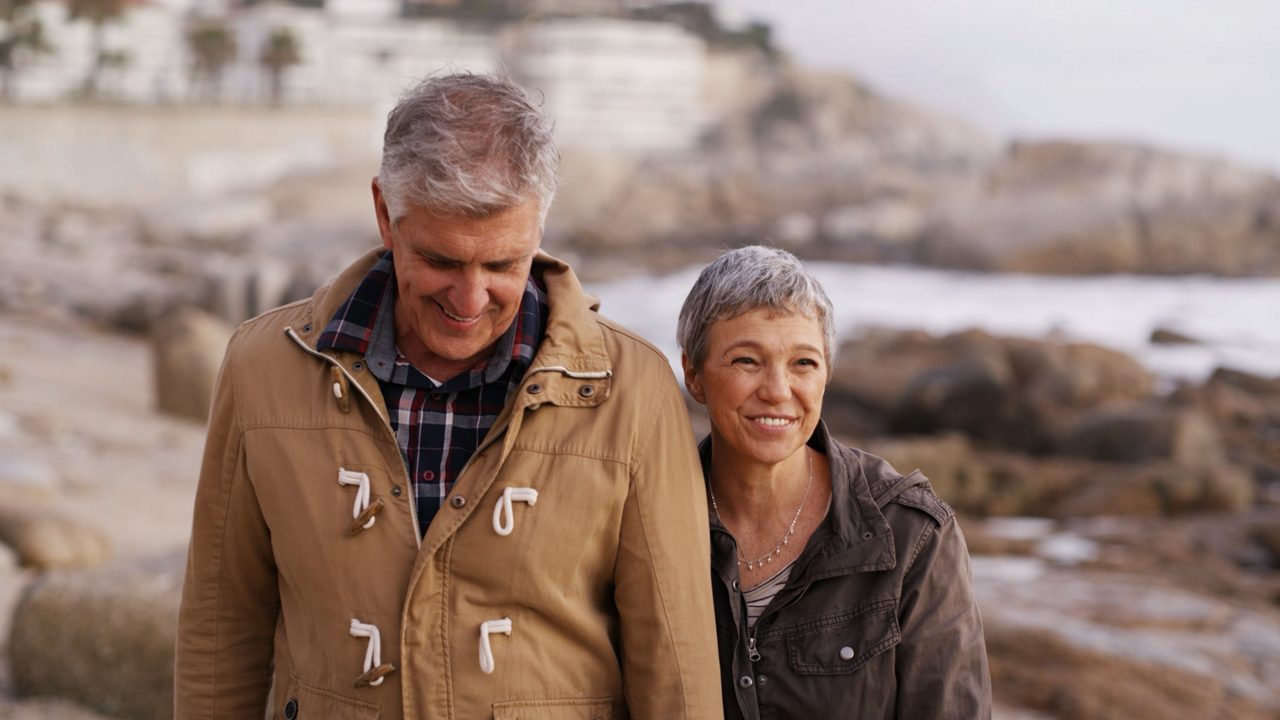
587, 391
357, 365
736, 586
457, 501
846, 653
762, 679
867, 535
306, 328
291, 709
745, 681
534, 389
395, 490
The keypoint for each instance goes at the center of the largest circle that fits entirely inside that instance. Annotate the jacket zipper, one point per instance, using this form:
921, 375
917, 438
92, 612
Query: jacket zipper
386, 423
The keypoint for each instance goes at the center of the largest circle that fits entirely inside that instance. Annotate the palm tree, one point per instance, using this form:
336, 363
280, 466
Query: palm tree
20, 34
279, 52
212, 49
97, 13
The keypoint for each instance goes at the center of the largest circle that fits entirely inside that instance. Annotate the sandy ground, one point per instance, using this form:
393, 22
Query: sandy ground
76, 411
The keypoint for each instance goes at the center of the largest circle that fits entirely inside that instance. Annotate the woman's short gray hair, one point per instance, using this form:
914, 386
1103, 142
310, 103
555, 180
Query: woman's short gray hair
468, 145
748, 279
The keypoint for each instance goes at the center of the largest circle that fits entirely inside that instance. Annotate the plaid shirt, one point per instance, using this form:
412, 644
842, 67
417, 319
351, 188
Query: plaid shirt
437, 425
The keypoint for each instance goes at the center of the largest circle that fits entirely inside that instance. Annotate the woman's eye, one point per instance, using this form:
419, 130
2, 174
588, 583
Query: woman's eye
808, 362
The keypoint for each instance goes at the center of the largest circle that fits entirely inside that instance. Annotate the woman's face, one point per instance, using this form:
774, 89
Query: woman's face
762, 382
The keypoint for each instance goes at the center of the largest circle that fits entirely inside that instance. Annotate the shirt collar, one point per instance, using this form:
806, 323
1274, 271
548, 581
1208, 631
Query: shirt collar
365, 324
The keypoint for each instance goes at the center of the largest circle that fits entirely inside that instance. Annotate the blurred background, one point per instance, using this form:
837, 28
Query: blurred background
1051, 232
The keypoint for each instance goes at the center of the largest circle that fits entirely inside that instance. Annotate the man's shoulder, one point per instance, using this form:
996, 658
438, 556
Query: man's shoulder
630, 352
260, 337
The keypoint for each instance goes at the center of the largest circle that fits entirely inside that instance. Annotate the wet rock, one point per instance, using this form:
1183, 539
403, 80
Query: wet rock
1146, 432
1008, 392
1246, 381
44, 539
1161, 489
103, 639
187, 348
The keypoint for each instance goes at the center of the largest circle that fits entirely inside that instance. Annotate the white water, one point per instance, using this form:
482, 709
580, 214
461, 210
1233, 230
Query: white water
1236, 320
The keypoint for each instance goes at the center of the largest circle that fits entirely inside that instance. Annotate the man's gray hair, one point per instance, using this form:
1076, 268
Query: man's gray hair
747, 279
468, 145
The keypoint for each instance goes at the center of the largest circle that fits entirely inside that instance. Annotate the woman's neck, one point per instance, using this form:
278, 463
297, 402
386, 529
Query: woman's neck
751, 492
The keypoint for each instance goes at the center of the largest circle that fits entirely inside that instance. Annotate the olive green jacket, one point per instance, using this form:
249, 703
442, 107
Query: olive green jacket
877, 619
586, 600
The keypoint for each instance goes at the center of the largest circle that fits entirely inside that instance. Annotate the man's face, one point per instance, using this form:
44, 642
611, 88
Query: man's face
459, 281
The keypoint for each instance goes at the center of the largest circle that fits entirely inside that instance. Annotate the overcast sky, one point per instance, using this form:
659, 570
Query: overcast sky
1186, 74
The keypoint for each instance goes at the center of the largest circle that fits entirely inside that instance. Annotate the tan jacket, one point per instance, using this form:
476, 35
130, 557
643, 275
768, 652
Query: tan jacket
595, 605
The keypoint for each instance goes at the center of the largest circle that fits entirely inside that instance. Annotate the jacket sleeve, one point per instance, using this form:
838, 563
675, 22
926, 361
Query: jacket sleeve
942, 659
230, 601
663, 591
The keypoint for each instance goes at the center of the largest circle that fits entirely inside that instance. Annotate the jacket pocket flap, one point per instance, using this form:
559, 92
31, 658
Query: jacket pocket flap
310, 702
842, 643
579, 709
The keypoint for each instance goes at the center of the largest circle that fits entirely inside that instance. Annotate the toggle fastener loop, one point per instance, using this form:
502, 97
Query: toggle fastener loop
503, 521
361, 505
486, 652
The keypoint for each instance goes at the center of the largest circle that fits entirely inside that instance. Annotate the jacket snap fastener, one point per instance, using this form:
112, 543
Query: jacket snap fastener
457, 501
357, 365
396, 491
846, 653
587, 391
745, 681
762, 679
291, 709
867, 535
306, 328
736, 586
534, 389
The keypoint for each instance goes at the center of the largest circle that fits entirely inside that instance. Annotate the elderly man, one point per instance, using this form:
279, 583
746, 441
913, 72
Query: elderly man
444, 487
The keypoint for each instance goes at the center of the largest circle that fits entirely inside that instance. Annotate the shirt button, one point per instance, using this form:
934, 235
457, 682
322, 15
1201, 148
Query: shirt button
745, 681
846, 653
457, 501
437, 397
428, 475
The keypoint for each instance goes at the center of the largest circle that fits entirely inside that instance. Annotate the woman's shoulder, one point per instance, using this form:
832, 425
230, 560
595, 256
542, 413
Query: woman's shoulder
889, 488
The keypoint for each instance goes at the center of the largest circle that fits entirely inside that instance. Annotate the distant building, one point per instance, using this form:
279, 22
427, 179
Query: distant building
609, 82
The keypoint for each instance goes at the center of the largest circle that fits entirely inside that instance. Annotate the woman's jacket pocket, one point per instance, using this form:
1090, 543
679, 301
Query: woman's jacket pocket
841, 643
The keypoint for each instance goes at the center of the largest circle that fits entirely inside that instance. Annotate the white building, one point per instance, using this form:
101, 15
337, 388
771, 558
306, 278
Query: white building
609, 83
615, 83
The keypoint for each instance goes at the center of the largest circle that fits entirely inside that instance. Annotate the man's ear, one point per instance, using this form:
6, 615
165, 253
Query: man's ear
692, 381
383, 213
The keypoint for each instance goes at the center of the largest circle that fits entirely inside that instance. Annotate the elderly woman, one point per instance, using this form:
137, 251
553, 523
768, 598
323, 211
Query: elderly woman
841, 586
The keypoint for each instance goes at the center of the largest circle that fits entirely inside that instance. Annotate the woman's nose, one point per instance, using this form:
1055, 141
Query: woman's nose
775, 386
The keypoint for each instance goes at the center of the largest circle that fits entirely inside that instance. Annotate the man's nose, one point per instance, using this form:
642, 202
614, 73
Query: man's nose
469, 294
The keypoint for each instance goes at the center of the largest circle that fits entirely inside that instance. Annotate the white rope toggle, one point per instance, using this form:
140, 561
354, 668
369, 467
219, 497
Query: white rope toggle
337, 390
373, 651
486, 653
503, 521
361, 480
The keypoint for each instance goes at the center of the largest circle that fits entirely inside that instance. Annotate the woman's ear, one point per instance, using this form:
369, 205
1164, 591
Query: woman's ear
692, 382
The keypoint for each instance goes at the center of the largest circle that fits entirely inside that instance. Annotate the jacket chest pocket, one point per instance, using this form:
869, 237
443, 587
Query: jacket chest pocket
840, 644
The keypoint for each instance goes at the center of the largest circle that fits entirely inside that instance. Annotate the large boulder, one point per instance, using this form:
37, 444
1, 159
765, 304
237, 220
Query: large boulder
187, 348
103, 639
1159, 489
1146, 432
1008, 392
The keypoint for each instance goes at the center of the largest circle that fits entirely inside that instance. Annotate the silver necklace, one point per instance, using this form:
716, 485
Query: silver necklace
786, 537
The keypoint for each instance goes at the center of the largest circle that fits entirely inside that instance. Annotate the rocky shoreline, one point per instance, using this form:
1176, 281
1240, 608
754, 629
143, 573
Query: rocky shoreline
1116, 532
